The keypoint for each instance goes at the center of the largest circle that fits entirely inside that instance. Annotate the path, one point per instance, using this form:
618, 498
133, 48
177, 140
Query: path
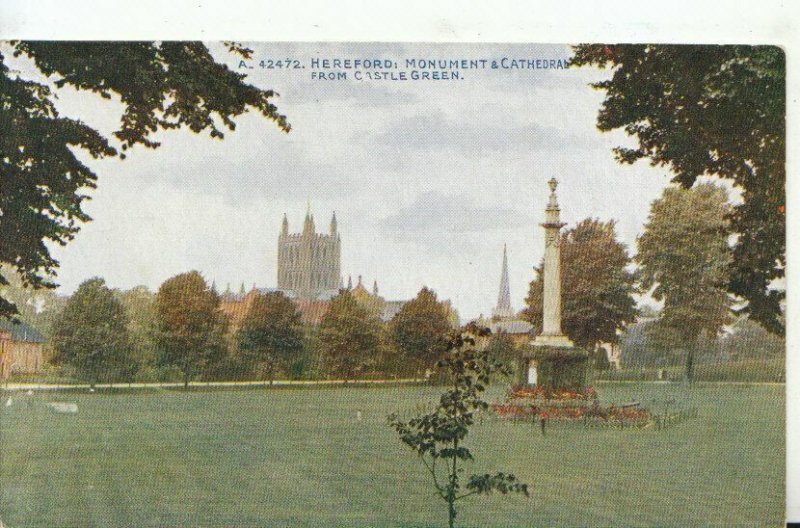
275, 383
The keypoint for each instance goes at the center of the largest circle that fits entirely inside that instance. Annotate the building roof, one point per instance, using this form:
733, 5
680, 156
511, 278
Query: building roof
511, 326
390, 309
21, 331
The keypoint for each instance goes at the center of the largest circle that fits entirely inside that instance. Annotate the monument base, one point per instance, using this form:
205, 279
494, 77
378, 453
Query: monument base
557, 365
557, 341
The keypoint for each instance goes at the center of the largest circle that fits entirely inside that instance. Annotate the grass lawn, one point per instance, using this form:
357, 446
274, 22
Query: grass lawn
299, 457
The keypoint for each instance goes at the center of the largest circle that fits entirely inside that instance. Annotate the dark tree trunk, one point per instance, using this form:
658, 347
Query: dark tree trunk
690, 365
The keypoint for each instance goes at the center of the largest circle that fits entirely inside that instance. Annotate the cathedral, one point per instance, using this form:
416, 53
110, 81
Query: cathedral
309, 273
309, 263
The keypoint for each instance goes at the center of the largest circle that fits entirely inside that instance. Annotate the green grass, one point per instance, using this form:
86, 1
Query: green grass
300, 458
754, 370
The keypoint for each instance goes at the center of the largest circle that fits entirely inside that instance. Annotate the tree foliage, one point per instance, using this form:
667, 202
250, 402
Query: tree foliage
44, 181
39, 308
420, 329
139, 303
596, 287
190, 327
271, 334
501, 347
711, 110
91, 334
438, 437
749, 340
348, 336
684, 258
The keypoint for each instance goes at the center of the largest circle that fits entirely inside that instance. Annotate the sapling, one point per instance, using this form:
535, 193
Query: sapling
437, 437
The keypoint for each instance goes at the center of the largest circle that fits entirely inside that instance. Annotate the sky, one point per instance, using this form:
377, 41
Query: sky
428, 179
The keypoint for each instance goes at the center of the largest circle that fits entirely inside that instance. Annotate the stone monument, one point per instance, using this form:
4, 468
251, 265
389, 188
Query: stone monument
551, 311
552, 359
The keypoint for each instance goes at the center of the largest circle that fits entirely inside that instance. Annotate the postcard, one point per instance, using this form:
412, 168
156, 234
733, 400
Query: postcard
387, 284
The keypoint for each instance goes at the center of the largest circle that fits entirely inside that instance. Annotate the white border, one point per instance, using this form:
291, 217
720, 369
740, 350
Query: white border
563, 21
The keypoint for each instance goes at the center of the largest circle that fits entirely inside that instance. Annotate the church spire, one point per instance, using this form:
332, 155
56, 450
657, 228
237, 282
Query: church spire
503, 308
285, 226
375, 288
308, 225
334, 224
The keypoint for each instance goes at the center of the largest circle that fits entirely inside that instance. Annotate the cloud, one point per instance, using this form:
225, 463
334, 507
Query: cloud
358, 93
434, 214
434, 131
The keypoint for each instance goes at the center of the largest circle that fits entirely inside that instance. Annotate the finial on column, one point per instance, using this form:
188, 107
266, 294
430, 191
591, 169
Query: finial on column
552, 204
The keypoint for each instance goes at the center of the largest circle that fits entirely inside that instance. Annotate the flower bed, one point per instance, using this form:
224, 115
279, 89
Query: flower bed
539, 395
532, 403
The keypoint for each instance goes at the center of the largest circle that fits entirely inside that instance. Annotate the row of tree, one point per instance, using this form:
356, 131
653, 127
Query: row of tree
108, 335
683, 261
644, 346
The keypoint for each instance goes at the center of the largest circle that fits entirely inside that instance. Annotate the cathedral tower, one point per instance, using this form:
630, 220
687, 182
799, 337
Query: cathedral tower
309, 263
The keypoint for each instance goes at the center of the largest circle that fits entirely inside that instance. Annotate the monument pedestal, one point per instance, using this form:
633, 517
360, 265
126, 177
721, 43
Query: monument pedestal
556, 367
552, 361
557, 341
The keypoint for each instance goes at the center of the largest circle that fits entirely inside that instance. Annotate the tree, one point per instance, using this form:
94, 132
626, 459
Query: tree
420, 329
596, 287
501, 347
711, 110
38, 308
749, 340
684, 258
271, 333
139, 303
348, 336
190, 327
438, 437
162, 86
600, 360
91, 334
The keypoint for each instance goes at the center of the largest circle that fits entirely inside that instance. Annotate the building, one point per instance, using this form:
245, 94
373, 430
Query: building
21, 348
503, 309
309, 263
309, 273
504, 319
236, 305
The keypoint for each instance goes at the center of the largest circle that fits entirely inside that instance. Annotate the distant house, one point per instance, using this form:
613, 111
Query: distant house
21, 348
236, 306
518, 330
